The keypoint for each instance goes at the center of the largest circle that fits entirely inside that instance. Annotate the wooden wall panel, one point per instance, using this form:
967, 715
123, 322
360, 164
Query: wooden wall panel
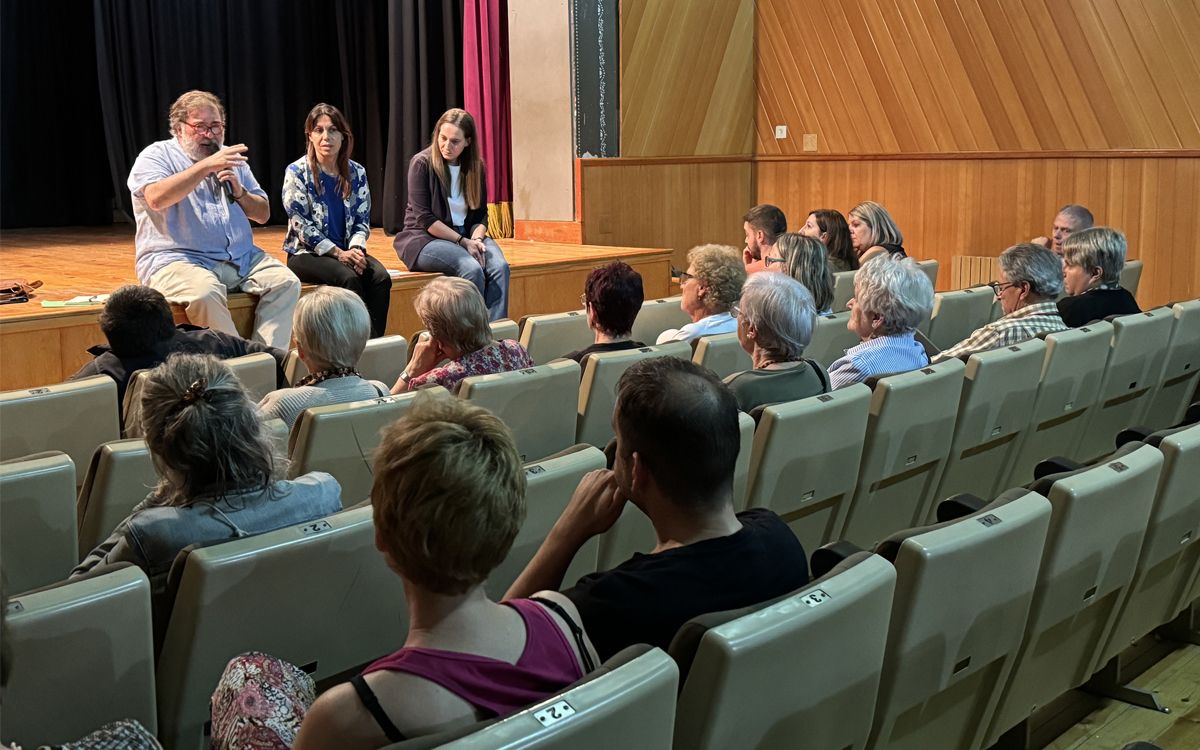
948, 206
687, 77
665, 203
949, 76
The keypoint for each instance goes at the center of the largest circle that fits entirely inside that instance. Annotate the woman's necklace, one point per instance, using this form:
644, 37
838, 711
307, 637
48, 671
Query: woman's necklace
330, 374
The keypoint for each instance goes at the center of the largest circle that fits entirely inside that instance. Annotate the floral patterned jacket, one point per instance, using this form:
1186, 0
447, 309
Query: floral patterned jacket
308, 218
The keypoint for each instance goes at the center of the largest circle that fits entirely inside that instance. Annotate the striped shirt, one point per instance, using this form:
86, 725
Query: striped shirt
879, 356
1019, 325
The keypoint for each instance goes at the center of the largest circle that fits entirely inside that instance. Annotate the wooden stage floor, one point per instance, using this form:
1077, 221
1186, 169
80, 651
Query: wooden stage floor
40, 346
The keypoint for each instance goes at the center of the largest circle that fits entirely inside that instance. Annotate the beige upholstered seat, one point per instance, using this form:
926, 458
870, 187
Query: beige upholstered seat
119, 477
548, 337
504, 329
316, 594
1097, 525
72, 417
745, 686
908, 440
597, 390
1070, 381
741, 470
537, 403
1135, 360
37, 520
1181, 370
963, 591
256, 373
656, 316
549, 486
1131, 276
831, 339
996, 404
805, 460
957, 314
341, 439
722, 353
83, 656
930, 269
843, 290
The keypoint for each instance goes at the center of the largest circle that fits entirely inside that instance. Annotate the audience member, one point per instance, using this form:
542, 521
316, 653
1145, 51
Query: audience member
193, 199
141, 333
328, 203
830, 227
805, 260
710, 287
892, 295
676, 446
775, 322
762, 224
1070, 218
449, 499
1031, 278
1092, 263
612, 298
453, 311
219, 477
331, 326
873, 233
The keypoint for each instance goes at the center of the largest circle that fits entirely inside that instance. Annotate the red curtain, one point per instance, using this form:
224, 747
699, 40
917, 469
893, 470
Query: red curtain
485, 90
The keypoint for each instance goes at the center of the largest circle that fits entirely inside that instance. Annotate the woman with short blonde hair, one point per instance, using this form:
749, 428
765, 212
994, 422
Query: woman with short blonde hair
1092, 262
708, 289
873, 233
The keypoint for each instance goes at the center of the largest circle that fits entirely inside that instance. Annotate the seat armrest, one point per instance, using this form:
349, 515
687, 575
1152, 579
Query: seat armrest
825, 559
1055, 465
959, 506
1135, 434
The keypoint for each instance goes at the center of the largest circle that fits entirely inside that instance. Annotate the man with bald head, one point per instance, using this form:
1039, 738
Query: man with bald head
1071, 218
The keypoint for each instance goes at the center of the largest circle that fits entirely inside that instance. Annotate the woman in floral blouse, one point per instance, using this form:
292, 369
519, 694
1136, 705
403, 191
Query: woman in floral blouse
328, 203
459, 338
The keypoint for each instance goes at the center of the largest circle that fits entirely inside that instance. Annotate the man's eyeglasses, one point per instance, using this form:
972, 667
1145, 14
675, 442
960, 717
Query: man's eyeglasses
999, 287
735, 312
200, 128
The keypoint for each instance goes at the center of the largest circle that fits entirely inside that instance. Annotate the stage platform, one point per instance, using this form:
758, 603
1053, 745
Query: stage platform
40, 346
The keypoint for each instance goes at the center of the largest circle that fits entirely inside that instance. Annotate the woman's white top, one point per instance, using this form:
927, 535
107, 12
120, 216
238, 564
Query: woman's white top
457, 200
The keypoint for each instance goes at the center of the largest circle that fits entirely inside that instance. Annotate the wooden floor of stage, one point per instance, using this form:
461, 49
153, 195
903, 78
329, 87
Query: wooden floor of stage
39, 346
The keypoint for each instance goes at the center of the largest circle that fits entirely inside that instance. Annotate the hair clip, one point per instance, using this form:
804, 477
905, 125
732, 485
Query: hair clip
198, 389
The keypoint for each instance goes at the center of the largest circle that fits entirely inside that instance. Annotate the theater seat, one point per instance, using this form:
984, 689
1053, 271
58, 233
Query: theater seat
256, 373
503, 329
831, 339
722, 353
597, 389
537, 403
656, 316
318, 595
843, 290
1131, 276
341, 440
83, 656
548, 337
802, 671
37, 520
383, 359
72, 417
1181, 370
957, 314
120, 476
930, 269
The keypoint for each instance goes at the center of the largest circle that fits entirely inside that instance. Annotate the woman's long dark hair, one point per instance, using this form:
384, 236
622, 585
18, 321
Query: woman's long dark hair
343, 157
471, 175
832, 223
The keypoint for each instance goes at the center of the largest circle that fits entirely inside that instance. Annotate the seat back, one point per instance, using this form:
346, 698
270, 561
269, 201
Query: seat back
37, 533
1131, 276
656, 316
119, 477
843, 290
908, 439
597, 389
722, 353
83, 656
341, 440
1135, 360
294, 368
72, 417
930, 268
995, 407
316, 594
383, 359
826, 702
1098, 520
963, 590
537, 403
1181, 370
830, 339
805, 460
548, 337
957, 314
256, 373
1067, 391
741, 469
504, 329
549, 486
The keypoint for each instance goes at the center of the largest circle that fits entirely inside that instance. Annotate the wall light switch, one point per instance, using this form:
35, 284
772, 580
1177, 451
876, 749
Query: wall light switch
780, 132
810, 141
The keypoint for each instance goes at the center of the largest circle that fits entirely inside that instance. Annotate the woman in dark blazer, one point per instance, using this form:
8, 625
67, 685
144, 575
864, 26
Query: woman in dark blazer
445, 224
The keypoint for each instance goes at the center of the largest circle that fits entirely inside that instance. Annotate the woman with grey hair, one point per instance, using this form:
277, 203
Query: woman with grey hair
1092, 262
331, 326
806, 260
775, 319
219, 478
892, 295
708, 289
1031, 278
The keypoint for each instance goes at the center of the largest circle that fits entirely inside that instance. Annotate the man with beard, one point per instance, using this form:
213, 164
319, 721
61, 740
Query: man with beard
193, 199
763, 225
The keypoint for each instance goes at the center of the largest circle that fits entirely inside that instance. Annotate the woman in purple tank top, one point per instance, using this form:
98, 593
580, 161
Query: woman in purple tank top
449, 498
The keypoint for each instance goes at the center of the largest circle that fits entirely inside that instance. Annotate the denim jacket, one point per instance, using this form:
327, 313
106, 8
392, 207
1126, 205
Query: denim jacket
308, 218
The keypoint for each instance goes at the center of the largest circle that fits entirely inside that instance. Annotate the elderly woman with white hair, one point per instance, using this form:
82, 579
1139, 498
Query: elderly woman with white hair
1092, 263
1031, 278
892, 295
776, 316
331, 326
454, 312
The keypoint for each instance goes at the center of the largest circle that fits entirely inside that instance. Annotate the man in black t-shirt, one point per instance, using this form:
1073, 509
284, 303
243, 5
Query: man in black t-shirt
677, 443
